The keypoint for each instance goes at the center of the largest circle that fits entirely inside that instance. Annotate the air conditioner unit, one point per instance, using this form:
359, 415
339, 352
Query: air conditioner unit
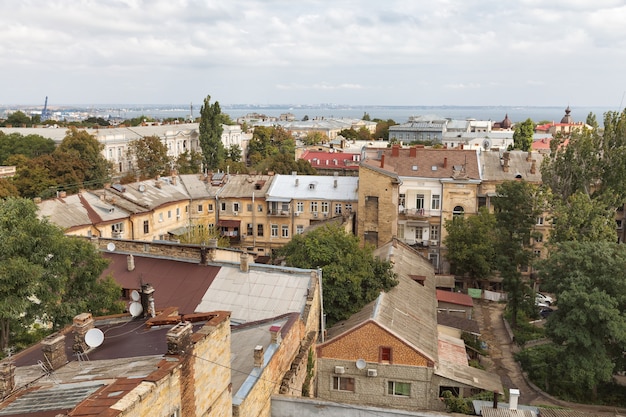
178, 217
297, 213
340, 370
372, 372
434, 242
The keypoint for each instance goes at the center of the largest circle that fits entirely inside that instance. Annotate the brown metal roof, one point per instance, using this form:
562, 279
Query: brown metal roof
176, 283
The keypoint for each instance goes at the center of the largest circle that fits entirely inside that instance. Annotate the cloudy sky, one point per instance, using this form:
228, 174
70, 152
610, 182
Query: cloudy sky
367, 52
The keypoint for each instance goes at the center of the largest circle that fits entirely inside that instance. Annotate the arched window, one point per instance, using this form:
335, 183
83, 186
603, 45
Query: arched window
458, 211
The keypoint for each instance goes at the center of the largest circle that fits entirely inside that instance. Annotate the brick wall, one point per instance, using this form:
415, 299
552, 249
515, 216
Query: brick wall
380, 216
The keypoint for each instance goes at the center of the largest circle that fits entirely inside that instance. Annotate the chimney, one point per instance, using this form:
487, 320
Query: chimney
395, 150
495, 399
297, 182
505, 166
81, 325
244, 264
62, 194
258, 356
335, 183
513, 398
53, 348
158, 184
445, 162
529, 157
174, 179
533, 166
382, 161
130, 262
147, 300
275, 334
179, 339
7, 378
412, 151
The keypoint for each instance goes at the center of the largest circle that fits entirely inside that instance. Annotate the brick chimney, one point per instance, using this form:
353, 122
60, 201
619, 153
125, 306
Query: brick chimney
130, 262
147, 300
395, 151
529, 157
244, 262
275, 335
7, 378
382, 161
445, 162
533, 166
179, 339
53, 348
81, 325
258, 356
412, 151
505, 161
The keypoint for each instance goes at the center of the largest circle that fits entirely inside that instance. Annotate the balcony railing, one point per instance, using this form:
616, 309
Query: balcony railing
416, 213
283, 213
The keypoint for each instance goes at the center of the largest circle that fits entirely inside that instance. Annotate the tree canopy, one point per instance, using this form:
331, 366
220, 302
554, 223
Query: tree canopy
31, 146
151, 157
45, 275
589, 326
211, 134
523, 135
351, 275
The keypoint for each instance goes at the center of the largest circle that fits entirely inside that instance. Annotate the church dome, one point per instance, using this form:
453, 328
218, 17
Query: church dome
567, 119
506, 123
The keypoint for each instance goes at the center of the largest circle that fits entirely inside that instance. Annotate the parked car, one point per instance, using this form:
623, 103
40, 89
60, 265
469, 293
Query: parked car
543, 299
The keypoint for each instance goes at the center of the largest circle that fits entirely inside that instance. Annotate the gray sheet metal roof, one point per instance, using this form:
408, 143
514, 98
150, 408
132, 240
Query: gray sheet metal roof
197, 187
492, 169
259, 294
314, 187
78, 210
151, 194
472, 377
409, 310
245, 185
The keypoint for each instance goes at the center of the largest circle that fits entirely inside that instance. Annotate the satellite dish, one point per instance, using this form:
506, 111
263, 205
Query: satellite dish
135, 309
134, 295
486, 144
94, 338
111, 247
361, 364
142, 188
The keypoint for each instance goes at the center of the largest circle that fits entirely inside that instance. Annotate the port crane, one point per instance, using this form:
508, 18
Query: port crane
45, 113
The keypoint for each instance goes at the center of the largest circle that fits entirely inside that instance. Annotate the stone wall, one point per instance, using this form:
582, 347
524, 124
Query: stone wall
380, 213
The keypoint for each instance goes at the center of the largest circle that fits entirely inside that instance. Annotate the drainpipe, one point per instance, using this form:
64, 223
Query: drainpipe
322, 317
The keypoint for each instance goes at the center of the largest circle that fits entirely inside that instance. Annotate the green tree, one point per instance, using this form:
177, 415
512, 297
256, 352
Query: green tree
211, 134
364, 134
583, 219
516, 208
150, 154
189, 162
592, 121
314, 138
366, 116
80, 145
523, 135
32, 178
18, 119
43, 272
351, 275
137, 121
471, 244
234, 153
349, 134
382, 128
589, 281
30, 146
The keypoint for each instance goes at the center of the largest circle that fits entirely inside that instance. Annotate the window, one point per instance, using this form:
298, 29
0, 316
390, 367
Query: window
249, 229
458, 211
259, 208
384, 354
324, 206
313, 206
400, 231
539, 238
146, 227
338, 208
117, 227
284, 230
274, 230
299, 229
348, 207
435, 203
259, 230
169, 214
482, 202
223, 207
199, 208
419, 233
177, 211
210, 207
434, 232
235, 207
160, 217
537, 253
343, 384
539, 221
434, 259
618, 223
402, 200
249, 207
299, 206
419, 201
400, 389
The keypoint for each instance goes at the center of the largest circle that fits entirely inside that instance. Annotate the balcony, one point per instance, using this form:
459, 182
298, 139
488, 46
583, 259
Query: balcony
414, 213
280, 213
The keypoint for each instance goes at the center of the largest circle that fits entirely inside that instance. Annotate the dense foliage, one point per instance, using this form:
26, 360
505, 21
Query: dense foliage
352, 276
150, 157
211, 134
46, 276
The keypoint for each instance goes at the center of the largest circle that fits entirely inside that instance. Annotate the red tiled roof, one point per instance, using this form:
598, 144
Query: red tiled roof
454, 298
176, 283
328, 160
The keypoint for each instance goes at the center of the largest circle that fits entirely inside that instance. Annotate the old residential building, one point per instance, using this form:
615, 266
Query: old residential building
390, 354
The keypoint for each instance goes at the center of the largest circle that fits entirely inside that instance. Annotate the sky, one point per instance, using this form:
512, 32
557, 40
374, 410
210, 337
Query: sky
365, 52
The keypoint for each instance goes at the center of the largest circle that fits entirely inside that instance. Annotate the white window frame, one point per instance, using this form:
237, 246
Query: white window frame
274, 230
435, 202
